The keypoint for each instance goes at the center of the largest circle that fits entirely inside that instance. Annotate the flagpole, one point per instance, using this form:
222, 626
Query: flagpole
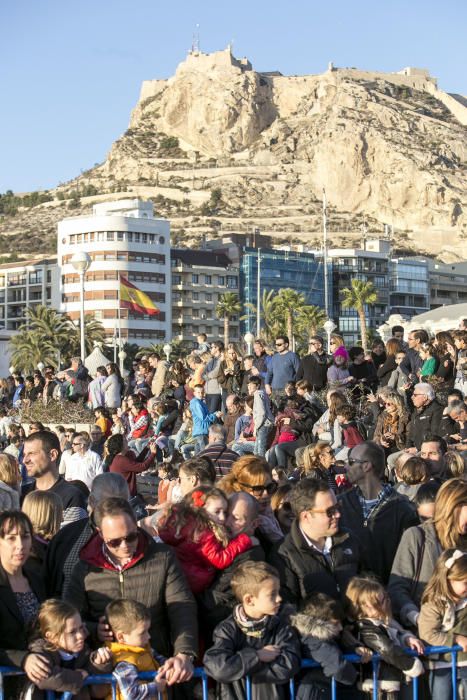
119, 319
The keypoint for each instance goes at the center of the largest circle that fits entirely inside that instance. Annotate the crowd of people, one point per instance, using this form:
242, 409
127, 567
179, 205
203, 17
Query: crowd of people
304, 508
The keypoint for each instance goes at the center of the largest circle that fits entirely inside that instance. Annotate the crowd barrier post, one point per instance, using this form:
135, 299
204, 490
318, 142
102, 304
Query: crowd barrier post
109, 679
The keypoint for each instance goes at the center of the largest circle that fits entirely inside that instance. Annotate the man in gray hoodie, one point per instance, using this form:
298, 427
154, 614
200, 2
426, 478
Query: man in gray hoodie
263, 418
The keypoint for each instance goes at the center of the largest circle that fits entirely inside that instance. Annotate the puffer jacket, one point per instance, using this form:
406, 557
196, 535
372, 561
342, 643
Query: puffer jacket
201, 556
418, 551
153, 577
387, 640
438, 624
318, 643
304, 570
234, 656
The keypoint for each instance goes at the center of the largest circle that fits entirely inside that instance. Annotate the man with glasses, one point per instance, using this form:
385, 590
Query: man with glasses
84, 465
121, 560
373, 510
314, 366
317, 556
282, 368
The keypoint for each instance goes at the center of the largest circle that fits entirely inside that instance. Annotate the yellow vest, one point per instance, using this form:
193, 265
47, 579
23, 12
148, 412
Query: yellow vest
141, 657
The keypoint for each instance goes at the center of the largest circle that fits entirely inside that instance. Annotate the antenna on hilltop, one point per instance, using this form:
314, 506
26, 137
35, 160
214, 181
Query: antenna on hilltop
195, 41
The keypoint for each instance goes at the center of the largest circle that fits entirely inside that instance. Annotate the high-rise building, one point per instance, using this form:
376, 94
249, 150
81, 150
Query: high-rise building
409, 293
448, 283
121, 238
199, 278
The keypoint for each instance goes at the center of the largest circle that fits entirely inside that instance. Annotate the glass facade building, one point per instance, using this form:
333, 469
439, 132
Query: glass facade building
409, 287
281, 269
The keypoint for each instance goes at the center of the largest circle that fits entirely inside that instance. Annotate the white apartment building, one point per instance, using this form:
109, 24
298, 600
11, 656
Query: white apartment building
121, 238
24, 285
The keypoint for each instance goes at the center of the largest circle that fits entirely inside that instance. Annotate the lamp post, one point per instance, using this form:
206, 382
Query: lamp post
11, 369
329, 326
249, 340
40, 366
121, 358
167, 350
81, 262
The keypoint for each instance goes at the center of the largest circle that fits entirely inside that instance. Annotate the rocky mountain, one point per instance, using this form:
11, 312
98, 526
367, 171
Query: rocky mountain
222, 147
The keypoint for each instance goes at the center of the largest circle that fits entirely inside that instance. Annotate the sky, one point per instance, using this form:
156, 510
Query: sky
70, 72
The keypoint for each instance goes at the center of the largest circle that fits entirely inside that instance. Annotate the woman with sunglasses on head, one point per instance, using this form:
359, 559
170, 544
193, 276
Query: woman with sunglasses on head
318, 462
251, 473
391, 423
121, 560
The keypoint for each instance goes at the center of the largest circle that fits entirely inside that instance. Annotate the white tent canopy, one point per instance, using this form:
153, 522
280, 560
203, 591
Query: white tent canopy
444, 318
94, 360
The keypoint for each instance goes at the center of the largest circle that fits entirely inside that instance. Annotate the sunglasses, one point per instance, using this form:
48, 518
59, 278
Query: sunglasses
118, 541
270, 488
329, 512
76, 444
355, 461
279, 345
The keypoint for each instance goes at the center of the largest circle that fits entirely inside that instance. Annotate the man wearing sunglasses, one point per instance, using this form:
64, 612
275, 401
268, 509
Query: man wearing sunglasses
282, 368
373, 510
121, 560
317, 555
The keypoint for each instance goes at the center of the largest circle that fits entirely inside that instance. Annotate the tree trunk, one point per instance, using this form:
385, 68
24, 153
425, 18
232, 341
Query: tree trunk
290, 326
226, 330
361, 315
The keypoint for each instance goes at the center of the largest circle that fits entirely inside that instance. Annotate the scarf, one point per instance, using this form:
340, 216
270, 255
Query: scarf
249, 627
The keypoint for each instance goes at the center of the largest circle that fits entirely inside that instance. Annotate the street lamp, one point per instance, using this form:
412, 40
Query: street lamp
81, 262
329, 326
167, 350
11, 369
249, 339
40, 366
121, 358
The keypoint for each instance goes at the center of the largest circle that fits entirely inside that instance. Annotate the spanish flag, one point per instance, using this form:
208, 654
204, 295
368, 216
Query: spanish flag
134, 299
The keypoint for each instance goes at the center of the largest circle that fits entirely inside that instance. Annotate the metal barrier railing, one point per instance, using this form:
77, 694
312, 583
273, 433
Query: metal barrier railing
109, 679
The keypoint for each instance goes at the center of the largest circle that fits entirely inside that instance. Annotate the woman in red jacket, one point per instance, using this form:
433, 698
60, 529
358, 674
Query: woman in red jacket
123, 461
195, 528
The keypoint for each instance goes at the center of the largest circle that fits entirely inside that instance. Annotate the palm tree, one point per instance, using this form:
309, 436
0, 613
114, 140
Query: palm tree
228, 305
271, 324
311, 320
29, 347
361, 293
55, 327
94, 333
290, 304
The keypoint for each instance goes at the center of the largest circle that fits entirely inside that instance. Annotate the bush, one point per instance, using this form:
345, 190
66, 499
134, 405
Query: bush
169, 142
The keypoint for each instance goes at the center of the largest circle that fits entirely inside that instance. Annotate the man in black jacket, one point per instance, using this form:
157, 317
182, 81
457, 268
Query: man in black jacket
376, 514
317, 555
426, 418
314, 366
412, 361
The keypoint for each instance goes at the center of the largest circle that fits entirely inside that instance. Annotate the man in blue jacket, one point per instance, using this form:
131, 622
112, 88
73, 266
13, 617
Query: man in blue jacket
202, 419
283, 368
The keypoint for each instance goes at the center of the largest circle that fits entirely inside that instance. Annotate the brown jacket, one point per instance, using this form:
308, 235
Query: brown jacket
154, 578
438, 625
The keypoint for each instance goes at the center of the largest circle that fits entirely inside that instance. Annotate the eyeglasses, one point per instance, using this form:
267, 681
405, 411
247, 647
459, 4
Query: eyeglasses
351, 461
279, 345
418, 395
329, 512
75, 444
270, 488
118, 541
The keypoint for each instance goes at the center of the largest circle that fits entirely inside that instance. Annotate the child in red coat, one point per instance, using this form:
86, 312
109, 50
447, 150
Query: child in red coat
195, 528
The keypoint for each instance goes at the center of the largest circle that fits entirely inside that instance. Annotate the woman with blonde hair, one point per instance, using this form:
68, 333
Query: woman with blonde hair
251, 473
318, 462
420, 547
391, 423
45, 511
455, 465
10, 481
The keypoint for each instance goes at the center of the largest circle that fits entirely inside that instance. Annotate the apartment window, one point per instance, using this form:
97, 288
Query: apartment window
92, 237
195, 279
208, 297
207, 279
110, 235
49, 276
208, 330
130, 237
100, 235
176, 279
220, 280
137, 237
195, 313
208, 313
144, 237
232, 282
151, 238
35, 277
79, 238
195, 296
120, 236
85, 237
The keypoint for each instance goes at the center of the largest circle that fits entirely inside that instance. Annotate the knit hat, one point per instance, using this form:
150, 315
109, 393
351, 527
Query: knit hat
341, 352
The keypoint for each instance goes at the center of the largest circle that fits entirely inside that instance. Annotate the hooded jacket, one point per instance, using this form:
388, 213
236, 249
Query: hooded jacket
153, 577
318, 644
304, 570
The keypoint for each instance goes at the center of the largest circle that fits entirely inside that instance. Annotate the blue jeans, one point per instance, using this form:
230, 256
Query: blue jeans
244, 448
200, 443
441, 684
261, 440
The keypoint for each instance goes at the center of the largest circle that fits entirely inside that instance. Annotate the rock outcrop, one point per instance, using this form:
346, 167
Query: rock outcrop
387, 148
